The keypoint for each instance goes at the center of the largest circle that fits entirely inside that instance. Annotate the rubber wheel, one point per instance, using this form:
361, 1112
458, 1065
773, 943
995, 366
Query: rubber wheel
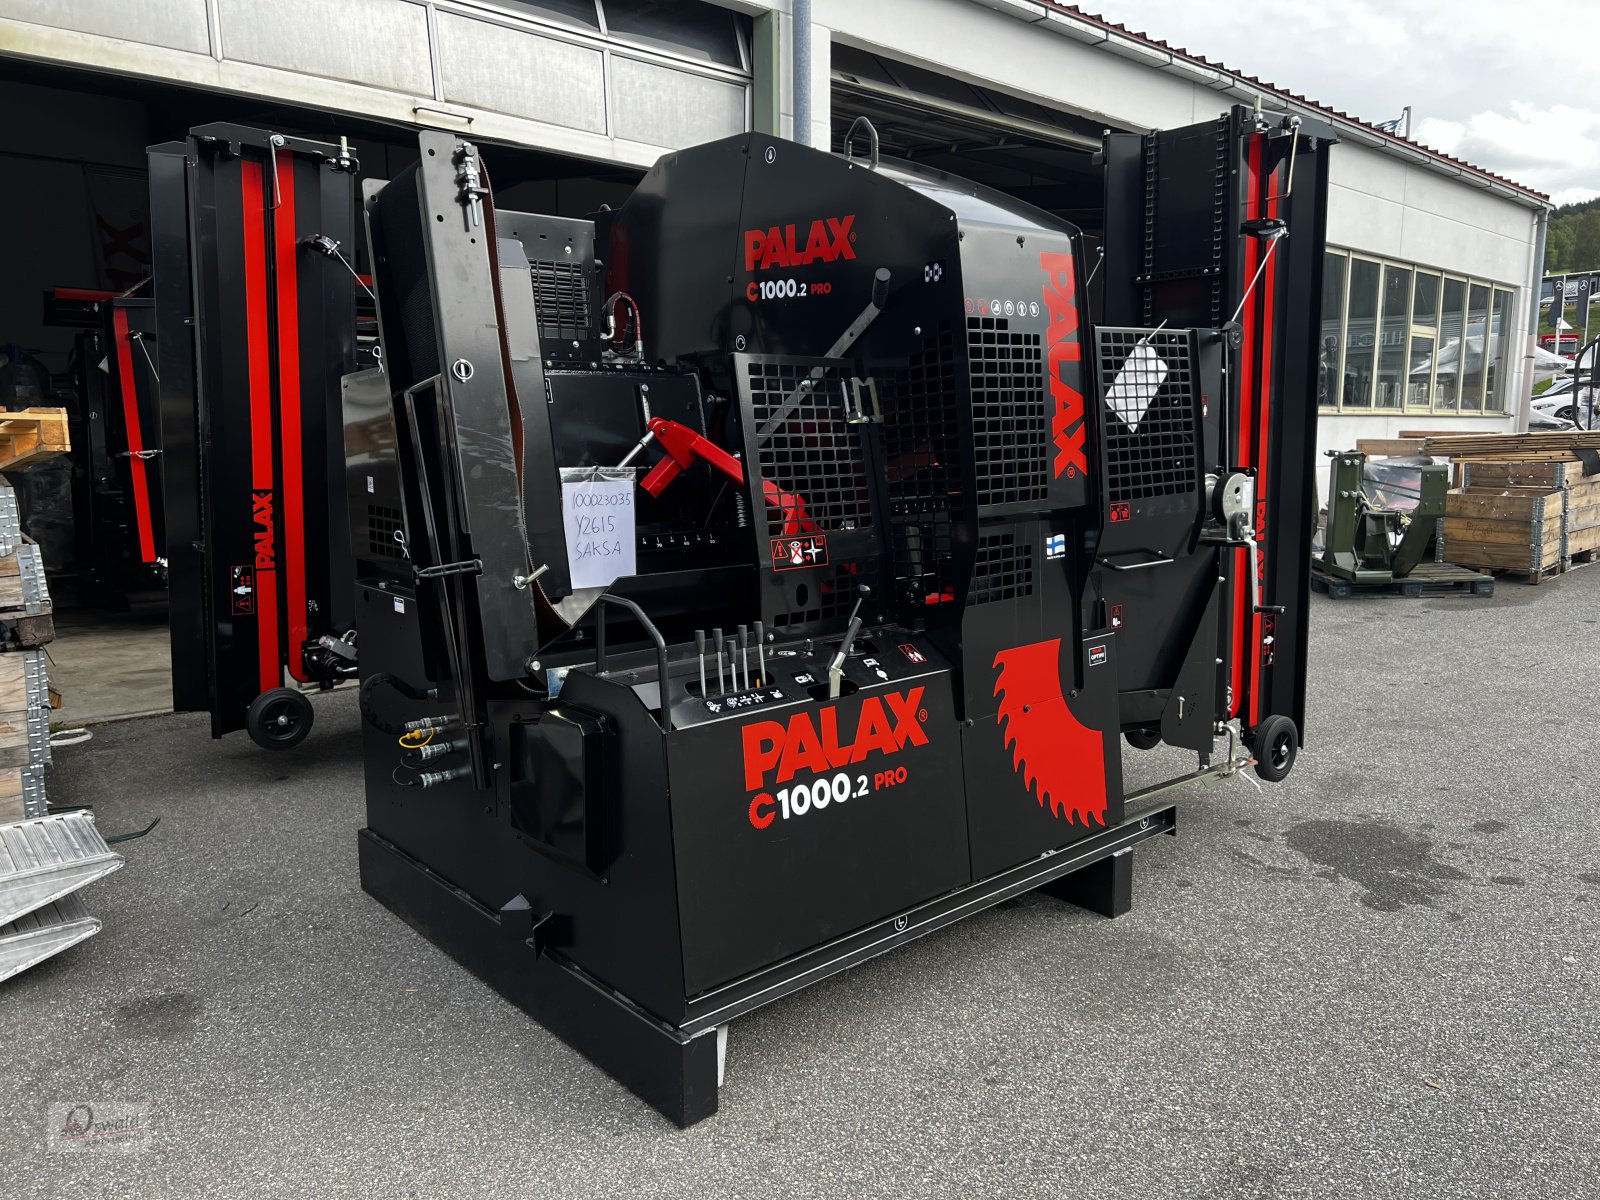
1276, 745
1143, 739
279, 719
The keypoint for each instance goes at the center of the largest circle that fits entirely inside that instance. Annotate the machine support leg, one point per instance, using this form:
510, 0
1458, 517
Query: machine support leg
674, 1073
1105, 887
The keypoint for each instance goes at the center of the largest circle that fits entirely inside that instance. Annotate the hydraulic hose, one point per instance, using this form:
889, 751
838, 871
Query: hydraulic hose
368, 714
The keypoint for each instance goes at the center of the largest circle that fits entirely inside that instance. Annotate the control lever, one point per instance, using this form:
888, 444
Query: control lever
879, 297
744, 656
716, 644
836, 663
684, 447
733, 665
700, 649
761, 655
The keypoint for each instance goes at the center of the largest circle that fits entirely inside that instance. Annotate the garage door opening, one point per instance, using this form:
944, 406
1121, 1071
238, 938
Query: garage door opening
1039, 155
77, 210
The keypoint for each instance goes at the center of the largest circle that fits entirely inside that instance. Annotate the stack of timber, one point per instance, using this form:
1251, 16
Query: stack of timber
44, 858
1574, 445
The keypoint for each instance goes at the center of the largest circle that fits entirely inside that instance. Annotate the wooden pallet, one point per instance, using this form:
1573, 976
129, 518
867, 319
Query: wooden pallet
32, 435
1426, 579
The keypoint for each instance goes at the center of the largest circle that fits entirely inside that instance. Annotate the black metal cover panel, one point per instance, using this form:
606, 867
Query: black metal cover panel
857, 793
566, 282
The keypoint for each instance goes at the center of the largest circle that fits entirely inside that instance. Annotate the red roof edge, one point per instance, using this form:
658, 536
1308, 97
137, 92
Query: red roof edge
1272, 89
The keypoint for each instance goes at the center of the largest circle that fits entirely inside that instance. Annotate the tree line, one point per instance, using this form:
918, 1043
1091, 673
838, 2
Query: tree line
1573, 240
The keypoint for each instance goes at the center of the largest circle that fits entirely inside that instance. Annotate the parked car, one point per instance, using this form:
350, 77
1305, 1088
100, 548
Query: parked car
1564, 404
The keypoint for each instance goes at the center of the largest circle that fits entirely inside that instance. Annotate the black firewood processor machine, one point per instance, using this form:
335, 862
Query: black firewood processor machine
761, 575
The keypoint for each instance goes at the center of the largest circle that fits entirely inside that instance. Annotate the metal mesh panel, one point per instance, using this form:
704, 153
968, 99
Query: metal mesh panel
383, 522
1151, 432
829, 594
812, 454
1003, 570
1009, 413
920, 428
561, 298
923, 448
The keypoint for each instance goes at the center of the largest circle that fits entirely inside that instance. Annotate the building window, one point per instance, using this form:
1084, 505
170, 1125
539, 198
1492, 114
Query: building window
1403, 338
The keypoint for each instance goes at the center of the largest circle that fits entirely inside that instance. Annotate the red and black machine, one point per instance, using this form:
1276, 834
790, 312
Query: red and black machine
255, 305
766, 573
119, 537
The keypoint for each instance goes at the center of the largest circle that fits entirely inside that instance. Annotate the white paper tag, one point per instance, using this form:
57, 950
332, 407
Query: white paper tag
597, 515
1138, 380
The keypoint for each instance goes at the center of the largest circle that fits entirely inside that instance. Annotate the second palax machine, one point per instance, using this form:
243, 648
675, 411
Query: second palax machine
898, 547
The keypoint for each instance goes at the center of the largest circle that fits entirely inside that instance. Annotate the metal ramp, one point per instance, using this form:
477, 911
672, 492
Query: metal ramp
44, 932
46, 858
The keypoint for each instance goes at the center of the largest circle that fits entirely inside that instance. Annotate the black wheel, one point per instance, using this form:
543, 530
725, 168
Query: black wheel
1276, 744
1143, 739
279, 719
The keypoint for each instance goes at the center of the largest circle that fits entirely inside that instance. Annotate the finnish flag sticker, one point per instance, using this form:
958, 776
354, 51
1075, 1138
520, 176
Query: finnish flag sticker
1055, 546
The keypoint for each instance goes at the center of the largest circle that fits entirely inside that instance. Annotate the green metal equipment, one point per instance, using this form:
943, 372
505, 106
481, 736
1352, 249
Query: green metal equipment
1374, 544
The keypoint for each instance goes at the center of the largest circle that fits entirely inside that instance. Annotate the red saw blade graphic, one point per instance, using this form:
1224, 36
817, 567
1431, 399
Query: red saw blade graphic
1061, 761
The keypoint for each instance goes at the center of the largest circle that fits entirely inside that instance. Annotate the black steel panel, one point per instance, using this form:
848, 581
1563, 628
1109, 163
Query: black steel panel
189, 612
753, 835
1042, 760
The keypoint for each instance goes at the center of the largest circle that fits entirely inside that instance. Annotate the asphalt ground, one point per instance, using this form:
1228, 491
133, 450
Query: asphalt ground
1376, 979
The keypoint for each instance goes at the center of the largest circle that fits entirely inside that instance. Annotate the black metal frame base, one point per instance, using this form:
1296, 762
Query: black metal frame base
675, 1069
673, 1072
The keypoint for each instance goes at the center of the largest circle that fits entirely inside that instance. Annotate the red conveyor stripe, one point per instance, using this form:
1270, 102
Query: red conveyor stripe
289, 416
1247, 378
1269, 301
259, 374
137, 472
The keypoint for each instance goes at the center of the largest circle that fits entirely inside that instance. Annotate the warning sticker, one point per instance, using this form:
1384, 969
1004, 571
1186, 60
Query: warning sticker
797, 553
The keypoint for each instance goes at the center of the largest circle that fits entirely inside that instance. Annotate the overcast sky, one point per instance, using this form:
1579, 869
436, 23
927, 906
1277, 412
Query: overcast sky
1493, 82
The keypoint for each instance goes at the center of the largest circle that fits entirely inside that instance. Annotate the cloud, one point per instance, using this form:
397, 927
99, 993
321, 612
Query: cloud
1555, 149
1481, 86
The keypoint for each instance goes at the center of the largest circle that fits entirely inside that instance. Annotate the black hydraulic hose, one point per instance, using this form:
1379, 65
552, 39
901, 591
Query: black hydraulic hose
372, 683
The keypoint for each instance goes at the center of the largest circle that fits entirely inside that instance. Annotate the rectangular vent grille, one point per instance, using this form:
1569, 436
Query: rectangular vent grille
813, 453
561, 298
1003, 570
383, 523
1010, 414
1152, 452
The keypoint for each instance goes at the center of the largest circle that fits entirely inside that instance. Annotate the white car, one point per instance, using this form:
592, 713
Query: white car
1560, 407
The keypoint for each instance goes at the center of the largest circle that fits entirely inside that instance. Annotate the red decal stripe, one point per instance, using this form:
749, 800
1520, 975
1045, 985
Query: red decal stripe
1263, 425
294, 533
1247, 378
259, 374
139, 477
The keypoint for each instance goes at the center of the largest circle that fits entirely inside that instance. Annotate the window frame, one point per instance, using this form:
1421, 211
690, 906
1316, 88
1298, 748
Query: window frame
1489, 396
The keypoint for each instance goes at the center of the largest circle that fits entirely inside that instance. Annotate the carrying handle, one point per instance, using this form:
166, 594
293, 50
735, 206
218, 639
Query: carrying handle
655, 636
872, 141
1160, 560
